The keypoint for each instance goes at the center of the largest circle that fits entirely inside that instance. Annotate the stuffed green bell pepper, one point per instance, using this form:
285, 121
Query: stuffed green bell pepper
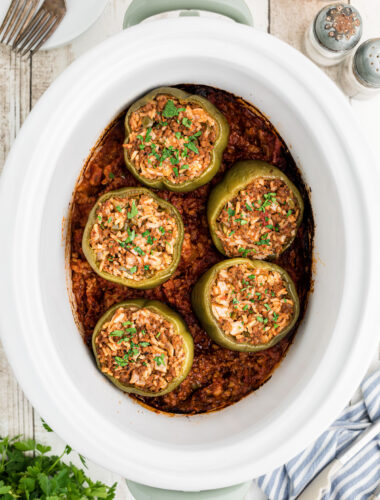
246, 305
134, 238
174, 140
254, 212
143, 347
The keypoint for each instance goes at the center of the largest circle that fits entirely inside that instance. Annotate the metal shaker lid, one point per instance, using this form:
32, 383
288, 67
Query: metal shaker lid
338, 27
367, 62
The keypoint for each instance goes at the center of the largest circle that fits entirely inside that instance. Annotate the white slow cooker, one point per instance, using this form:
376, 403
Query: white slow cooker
337, 337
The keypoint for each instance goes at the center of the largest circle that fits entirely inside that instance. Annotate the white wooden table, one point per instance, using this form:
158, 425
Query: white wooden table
23, 82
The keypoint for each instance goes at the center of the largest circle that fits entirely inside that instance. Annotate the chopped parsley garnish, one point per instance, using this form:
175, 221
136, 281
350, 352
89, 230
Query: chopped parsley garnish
133, 211
117, 333
160, 360
269, 198
162, 230
289, 212
260, 319
186, 122
111, 175
131, 236
242, 221
194, 136
121, 361
146, 233
245, 251
175, 170
178, 135
192, 147
146, 267
132, 329
132, 270
139, 250
264, 240
170, 110
249, 208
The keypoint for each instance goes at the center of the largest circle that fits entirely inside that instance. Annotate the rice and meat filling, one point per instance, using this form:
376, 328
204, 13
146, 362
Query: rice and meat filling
260, 221
251, 305
171, 139
133, 237
140, 348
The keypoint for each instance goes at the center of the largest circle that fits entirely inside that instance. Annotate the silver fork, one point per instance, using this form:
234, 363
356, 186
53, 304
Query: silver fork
40, 26
19, 13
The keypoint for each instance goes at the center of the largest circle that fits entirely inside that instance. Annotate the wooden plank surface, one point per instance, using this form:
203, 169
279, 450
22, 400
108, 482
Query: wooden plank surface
23, 82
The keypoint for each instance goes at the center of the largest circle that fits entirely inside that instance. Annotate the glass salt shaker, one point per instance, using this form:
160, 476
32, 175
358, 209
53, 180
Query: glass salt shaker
360, 73
333, 34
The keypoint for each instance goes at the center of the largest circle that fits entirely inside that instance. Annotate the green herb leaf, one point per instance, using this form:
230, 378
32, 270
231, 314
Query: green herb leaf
160, 360
170, 110
133, 211
116, 333
39, 476
45, 426
186, 122
192, 147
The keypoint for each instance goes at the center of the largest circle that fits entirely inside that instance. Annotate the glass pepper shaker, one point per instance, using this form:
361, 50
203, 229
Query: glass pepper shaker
360, 73
333, 34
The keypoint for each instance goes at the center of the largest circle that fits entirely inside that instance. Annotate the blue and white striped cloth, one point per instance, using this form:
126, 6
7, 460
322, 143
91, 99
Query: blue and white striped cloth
361, 475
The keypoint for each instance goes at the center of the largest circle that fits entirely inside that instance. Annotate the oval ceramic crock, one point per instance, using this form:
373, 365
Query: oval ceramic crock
336, 338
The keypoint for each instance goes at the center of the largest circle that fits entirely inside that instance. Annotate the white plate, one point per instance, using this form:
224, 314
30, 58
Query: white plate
81, 14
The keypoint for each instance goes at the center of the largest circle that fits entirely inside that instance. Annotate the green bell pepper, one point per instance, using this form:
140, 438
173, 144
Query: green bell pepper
238, 178
152, 281
216, 153
201, 302
168, 314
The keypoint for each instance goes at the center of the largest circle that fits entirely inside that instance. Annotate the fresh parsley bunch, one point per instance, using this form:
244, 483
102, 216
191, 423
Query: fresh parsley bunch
26, 472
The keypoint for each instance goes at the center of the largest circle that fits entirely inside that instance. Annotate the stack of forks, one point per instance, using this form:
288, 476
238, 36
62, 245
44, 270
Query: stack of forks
27, 24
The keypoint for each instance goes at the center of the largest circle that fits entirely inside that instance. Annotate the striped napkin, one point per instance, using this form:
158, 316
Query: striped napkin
361, 475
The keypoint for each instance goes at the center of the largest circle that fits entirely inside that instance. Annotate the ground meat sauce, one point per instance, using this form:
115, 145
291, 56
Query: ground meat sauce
170, 139
251, 306
141, 349
219, 377
260, 221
